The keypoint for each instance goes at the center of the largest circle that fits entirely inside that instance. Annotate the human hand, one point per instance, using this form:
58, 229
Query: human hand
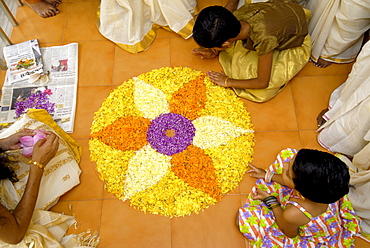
217, 78
320, 117
12, 142
45, 149
205, 53
256, 172
258, 194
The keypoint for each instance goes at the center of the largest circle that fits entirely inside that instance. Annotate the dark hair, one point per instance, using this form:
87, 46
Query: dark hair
5, 170
214, 26
320, 176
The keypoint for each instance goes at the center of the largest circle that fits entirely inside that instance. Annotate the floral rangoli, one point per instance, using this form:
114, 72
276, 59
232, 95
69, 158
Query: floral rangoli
171, 142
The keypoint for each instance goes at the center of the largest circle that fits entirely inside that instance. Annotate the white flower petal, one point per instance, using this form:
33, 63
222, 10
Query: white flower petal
150, 100
214, 131
145, 169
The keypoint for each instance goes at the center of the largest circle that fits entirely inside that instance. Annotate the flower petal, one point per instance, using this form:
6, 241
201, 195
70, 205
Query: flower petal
189, 100
196, 169
26, 141
150, 100
127, 133
27, 151
213, 131
40, 134
145, 169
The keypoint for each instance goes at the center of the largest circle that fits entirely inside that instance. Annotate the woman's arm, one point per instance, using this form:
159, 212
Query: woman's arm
13, 226
232, 5
288, 220
12, 142
261, 174
260, 82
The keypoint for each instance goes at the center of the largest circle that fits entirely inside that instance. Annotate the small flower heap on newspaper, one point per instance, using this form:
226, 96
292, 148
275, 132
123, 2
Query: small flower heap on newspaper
171, 142
37, 100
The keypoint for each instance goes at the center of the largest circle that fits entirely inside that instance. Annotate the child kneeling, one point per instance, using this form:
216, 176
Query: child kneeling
300, 201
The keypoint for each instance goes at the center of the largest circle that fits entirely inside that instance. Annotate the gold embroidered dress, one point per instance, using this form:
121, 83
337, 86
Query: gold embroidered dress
274, 26
47, 229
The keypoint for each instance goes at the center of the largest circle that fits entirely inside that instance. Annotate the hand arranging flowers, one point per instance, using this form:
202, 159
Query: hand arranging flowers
27, 142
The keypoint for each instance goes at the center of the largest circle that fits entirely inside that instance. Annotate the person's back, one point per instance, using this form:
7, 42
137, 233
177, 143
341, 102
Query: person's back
304, 202
274, 25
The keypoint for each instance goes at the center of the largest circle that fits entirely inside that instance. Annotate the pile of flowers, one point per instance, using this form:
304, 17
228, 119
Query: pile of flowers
37, 100
171, 142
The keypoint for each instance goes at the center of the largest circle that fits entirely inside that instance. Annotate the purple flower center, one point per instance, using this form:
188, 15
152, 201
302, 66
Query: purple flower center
170, 133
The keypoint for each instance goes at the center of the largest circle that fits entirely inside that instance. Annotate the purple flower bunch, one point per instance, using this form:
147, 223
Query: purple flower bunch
37, 100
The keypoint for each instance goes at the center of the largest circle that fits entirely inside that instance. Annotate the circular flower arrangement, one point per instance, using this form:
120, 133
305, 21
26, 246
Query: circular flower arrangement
171, 141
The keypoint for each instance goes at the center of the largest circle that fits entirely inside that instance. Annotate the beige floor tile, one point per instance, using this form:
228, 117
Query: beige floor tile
268, 145
181, 55
214, 227
309, 139
88, 214
335, 69
360, 243
128, 65
81, 22
288, 120
276, 114
164, 33
32, 26
96, 62
124, 226
311, 95
89, 100
2, 77
90, 187
203, 4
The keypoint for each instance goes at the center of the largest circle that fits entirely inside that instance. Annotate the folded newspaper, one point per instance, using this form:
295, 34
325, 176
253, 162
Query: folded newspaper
26, 63
23, 60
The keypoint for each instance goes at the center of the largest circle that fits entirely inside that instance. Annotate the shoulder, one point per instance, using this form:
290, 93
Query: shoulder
294, 216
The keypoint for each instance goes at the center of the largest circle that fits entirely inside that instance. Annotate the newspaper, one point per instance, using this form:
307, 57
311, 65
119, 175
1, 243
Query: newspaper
23, 60
61, 64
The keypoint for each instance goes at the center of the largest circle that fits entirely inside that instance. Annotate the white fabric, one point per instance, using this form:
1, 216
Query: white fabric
348, 125
337, 28
128, 21
61, 174
47, 229
347, 131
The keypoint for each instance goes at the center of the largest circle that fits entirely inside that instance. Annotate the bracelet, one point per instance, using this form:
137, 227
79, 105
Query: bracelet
215, 51
268, 176
274, 206
271, 202
225, 82
41, 166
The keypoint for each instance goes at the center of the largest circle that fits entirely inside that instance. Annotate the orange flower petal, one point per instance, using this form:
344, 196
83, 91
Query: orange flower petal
127, 133
189, 100
196, 169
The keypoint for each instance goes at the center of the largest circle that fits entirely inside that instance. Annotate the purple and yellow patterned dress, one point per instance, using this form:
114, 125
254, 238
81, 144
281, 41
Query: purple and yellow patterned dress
337, 227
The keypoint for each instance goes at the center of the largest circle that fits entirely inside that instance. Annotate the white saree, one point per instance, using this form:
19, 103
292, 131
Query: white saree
337, 27
47, 229
132, 25
347, 131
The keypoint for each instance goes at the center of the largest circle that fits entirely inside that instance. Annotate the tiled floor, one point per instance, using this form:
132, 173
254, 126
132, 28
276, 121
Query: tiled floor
289, 120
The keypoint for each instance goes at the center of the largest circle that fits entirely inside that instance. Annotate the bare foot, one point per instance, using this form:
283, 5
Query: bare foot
55, 3
44, 9
322, 63
320, 119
